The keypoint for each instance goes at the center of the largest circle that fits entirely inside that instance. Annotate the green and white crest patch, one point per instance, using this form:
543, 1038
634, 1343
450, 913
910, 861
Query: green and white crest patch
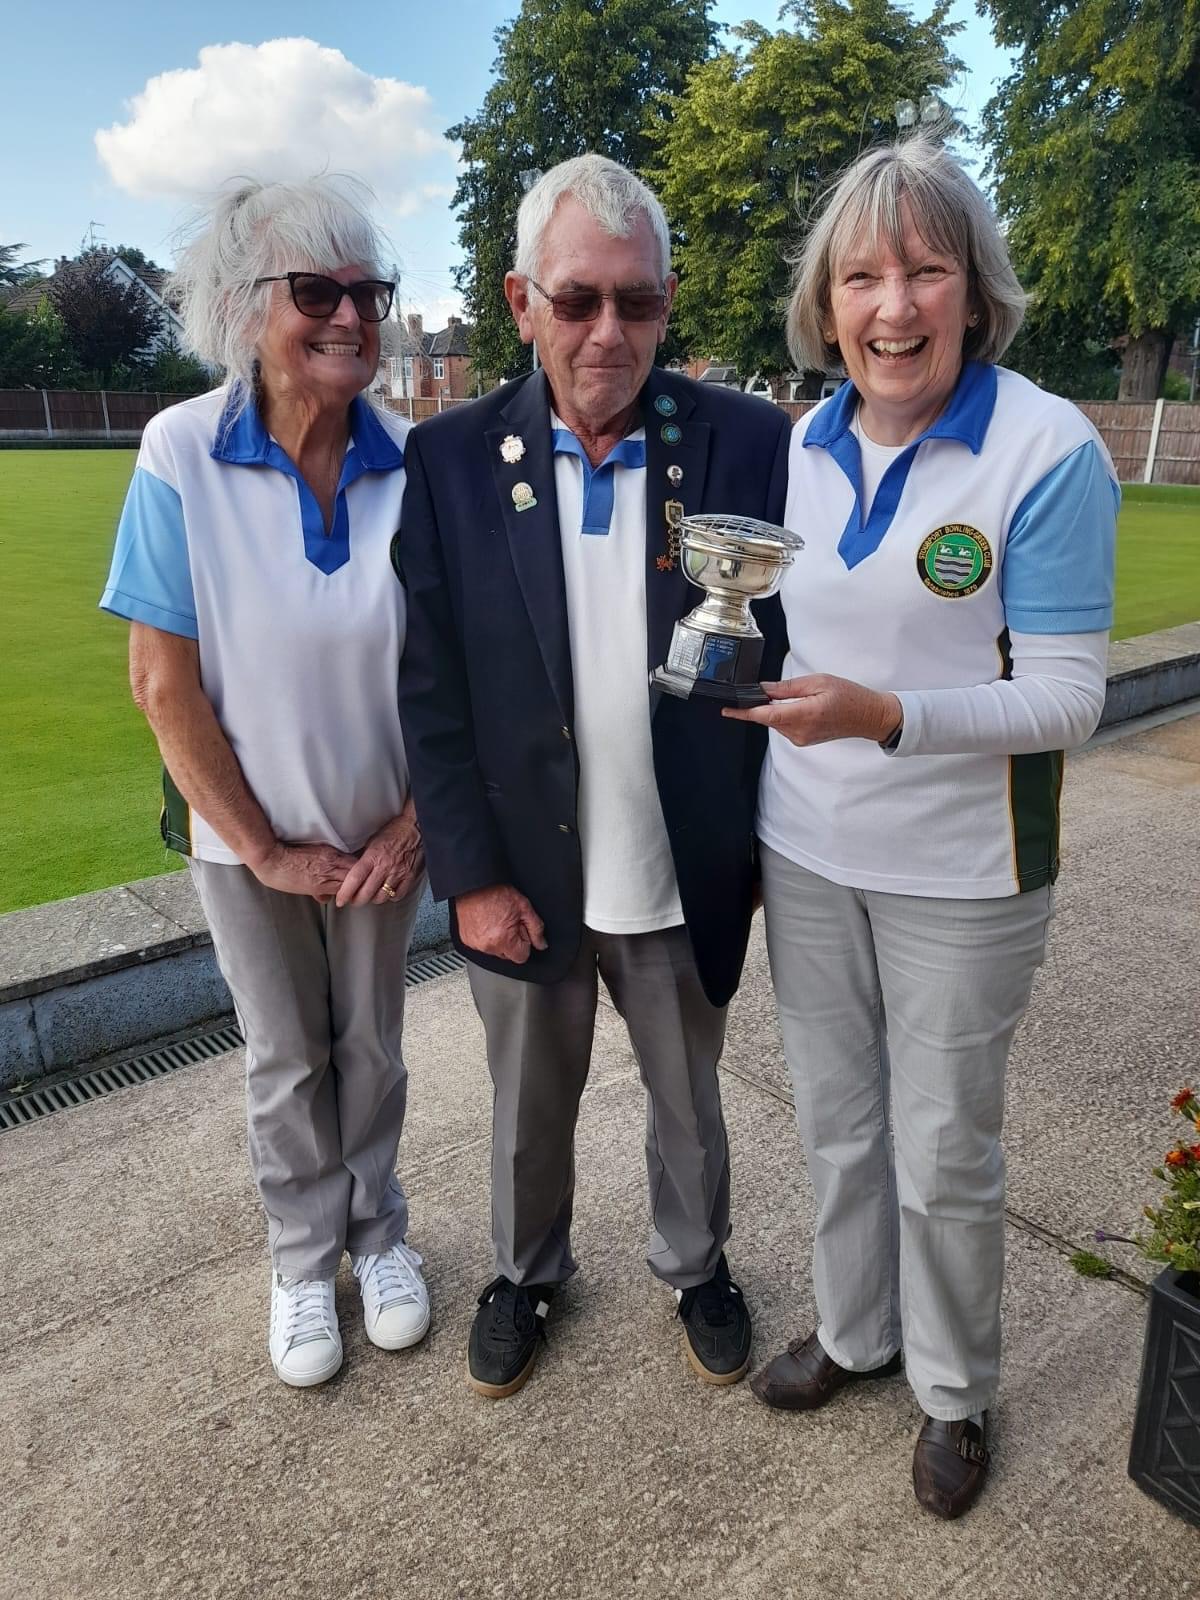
954, 561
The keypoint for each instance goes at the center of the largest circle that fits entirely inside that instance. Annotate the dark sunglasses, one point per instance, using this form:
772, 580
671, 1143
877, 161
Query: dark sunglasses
583, 305
314, 295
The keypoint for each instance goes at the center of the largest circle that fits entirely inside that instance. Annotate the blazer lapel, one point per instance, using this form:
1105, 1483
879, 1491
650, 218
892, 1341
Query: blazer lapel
533, 532
668, 410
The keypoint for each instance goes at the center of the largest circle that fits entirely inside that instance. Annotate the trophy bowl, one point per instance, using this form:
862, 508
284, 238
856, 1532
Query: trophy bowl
716, 650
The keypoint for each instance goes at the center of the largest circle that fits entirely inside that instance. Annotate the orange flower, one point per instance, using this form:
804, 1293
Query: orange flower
1178, 1158
1182, 1098
1195, 1152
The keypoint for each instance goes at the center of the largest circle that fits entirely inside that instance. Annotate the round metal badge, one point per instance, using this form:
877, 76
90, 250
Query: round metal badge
665, 406
671, 433
954, 561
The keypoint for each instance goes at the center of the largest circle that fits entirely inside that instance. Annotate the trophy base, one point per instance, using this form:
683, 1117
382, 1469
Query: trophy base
742, 695
711, 666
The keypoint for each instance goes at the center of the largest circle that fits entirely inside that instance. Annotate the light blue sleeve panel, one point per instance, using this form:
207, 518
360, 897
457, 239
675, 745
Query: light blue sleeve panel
150, 579
1058, 561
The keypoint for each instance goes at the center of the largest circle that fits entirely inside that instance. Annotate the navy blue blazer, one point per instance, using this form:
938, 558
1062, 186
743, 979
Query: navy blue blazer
486, 697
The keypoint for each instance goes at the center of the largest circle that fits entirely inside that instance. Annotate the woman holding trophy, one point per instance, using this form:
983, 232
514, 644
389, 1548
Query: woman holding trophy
948, 627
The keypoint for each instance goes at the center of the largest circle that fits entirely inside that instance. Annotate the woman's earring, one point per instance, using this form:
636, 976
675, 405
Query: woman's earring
972, 319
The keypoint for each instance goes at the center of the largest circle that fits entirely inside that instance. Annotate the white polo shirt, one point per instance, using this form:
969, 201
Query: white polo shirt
628, 873
300, 631
997, 524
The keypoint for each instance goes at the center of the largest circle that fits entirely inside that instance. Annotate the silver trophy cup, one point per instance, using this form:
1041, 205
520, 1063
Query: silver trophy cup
716, 650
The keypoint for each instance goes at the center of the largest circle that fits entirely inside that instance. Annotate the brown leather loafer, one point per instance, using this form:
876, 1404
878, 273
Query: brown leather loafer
805, 1377
949, 1466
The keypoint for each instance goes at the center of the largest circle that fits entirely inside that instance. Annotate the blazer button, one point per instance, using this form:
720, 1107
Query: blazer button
565, 827
566, 732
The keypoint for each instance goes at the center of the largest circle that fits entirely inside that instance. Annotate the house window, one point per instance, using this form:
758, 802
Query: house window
439, 368
408, 369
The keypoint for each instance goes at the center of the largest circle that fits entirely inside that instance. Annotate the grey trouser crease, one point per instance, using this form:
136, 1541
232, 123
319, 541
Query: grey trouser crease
539, 1043
904, 1005
319, 994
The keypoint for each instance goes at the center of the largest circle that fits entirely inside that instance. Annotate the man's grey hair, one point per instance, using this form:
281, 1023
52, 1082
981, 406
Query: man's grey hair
610, 194
251, 230
951, 215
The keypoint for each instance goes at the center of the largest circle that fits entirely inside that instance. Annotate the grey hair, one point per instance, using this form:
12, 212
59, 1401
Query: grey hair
253, 229
951, 215
609, 193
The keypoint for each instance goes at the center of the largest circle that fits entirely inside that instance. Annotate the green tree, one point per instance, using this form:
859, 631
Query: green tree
14, 273
570, 76
108, 322
35, 352
1058, 353
172, 370
760, 130
1095, 147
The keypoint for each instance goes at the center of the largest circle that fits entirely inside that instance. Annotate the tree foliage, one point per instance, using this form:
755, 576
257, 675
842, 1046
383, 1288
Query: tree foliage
1095, 141
35, 352
749, 146
570, 76
108, 323
14, 273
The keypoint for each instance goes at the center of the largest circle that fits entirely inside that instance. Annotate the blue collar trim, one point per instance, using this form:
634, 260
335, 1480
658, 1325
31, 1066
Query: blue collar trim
598, 481
243, 441
964, 420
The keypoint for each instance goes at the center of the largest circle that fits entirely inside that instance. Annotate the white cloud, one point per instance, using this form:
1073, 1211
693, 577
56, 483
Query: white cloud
286, 108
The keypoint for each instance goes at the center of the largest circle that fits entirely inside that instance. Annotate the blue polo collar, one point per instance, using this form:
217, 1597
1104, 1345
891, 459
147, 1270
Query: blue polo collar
598, 481
964, 420
242, 440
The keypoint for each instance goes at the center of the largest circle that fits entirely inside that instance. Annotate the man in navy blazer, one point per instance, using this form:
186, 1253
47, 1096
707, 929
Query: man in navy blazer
580, 828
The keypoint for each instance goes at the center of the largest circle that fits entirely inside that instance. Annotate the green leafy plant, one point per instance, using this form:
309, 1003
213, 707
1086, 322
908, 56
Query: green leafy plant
1173, 1232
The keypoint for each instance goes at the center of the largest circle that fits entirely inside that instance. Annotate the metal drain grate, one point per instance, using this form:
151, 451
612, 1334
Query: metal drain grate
435, 966
18, 1110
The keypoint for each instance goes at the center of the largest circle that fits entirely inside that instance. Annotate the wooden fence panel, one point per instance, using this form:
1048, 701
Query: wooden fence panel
1125, 427
21, 410
1177, 459
76, 411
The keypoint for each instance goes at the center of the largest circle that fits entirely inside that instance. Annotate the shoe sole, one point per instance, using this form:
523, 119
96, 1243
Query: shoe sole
406, 1342
310, 1379
501, 1391
707, 1374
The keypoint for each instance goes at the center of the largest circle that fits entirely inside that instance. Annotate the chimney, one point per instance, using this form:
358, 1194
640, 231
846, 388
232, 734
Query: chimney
454, 322
416, 326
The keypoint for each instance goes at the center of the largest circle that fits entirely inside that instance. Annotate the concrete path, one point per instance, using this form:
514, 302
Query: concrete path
147, 1449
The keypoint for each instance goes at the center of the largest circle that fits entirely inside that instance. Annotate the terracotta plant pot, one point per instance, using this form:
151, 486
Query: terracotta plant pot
1165, 1457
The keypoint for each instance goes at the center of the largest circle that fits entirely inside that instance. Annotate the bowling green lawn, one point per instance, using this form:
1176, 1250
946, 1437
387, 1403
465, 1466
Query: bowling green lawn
79, 782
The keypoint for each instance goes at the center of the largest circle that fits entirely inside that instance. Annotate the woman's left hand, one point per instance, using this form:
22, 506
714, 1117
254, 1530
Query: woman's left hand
816, 709
392, 860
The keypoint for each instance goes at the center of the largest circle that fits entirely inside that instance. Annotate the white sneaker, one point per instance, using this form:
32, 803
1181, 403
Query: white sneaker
395, 1299
305, 1344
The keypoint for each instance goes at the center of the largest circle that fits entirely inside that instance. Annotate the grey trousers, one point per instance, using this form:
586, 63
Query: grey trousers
539, 1043
320, 997
904, 1005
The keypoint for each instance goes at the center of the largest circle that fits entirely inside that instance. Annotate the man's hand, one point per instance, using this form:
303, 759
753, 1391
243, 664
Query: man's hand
314, 869
816, 709
393, 856
499, 921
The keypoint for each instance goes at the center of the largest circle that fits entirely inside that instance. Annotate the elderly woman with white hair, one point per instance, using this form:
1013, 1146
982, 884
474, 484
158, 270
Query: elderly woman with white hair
947, 628
252, 562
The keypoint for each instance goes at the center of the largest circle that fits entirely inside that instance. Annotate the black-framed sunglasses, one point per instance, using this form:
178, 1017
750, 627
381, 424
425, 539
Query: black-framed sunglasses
315, 295
583, 305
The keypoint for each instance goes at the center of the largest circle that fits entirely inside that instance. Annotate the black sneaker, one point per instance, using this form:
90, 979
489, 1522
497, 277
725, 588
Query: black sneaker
716, 1327
506, 1335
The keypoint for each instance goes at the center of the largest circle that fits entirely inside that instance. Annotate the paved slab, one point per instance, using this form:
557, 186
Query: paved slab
149, 1451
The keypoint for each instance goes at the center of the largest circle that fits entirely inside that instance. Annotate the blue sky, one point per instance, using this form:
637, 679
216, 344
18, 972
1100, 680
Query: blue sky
78, 68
